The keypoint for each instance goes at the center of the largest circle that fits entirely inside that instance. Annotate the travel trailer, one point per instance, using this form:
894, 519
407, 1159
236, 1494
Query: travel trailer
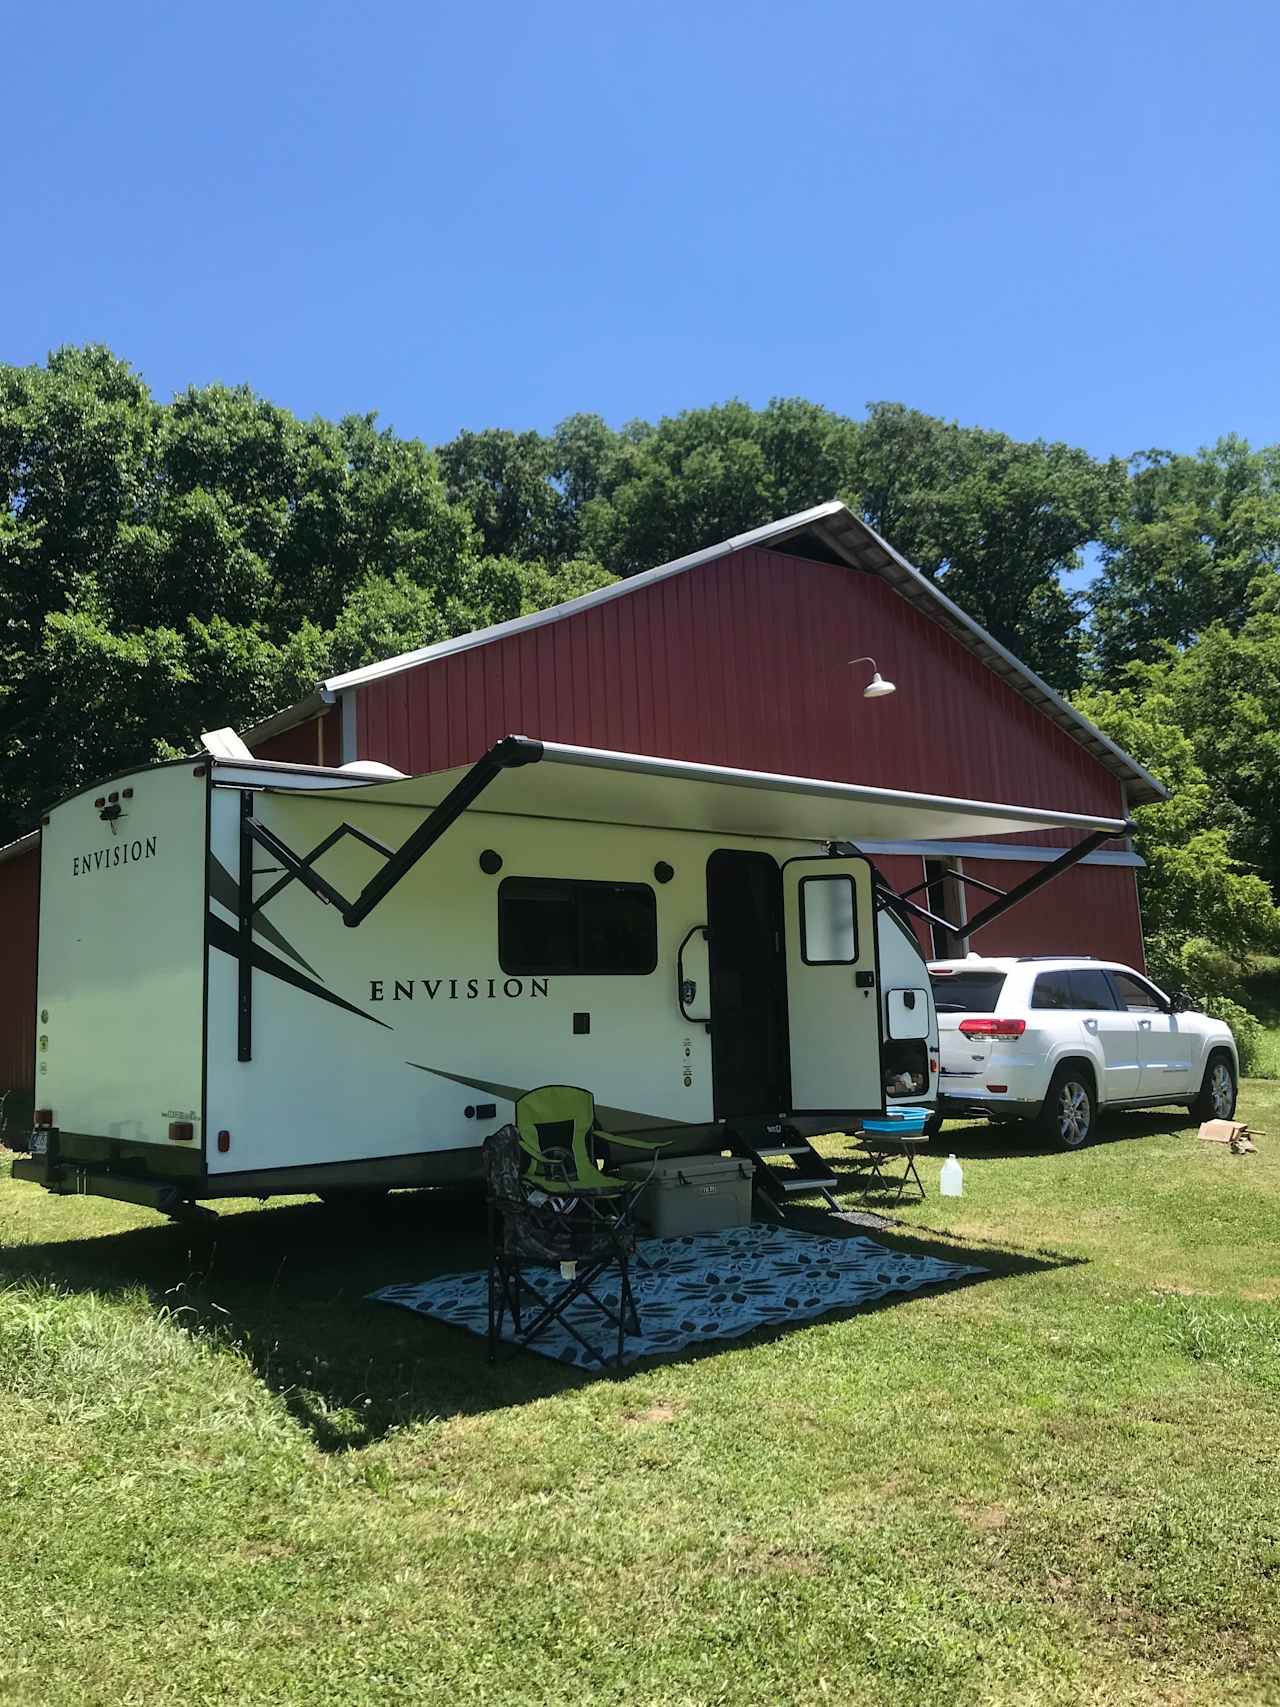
259, 978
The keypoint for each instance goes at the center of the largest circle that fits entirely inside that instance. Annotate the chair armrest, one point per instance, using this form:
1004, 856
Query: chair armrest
633, 1143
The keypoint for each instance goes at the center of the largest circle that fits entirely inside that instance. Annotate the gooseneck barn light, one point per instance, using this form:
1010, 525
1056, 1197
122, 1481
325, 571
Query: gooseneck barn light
877, 687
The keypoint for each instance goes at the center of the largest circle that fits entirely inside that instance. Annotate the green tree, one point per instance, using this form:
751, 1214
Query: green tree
1204, 912
504, 481
995, 522
1197, 541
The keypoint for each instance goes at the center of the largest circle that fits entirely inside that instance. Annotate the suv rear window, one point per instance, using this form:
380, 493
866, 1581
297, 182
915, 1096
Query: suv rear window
1080, 988
1053, 990
966, 992
1092, 990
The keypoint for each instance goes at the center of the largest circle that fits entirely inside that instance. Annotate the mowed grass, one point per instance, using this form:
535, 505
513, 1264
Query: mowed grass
225, 1477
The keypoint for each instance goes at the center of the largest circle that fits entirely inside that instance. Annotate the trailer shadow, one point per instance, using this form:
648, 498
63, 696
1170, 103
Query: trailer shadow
287, 1287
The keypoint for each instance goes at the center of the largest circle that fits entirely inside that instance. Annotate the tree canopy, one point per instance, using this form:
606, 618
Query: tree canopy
168, 566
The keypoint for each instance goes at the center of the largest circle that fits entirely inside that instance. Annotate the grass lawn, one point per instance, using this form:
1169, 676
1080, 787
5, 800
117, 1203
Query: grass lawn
226, 1478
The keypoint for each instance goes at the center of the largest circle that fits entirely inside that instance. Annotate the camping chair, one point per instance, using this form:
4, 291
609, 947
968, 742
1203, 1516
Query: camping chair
560, 1135
571, 1248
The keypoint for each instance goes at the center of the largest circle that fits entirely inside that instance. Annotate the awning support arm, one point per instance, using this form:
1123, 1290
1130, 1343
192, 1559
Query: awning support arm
1038, 878
890, 898
960, 877
511, 752
1006, 898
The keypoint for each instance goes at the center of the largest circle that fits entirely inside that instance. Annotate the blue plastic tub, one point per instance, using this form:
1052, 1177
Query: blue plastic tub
899, 1120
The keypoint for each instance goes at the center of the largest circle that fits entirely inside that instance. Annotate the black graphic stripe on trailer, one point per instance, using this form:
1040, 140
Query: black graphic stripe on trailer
223, 887
227, 938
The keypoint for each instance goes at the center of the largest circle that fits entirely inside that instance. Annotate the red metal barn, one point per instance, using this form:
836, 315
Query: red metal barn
740, 655
19, 915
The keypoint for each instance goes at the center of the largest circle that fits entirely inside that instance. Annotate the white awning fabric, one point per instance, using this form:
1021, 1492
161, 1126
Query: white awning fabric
592, 785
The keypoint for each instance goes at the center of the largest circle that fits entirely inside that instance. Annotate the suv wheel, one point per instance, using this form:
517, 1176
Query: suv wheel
1069, 1111
1217, 1099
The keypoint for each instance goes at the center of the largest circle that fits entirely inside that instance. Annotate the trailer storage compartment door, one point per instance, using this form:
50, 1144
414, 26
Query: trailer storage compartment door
832, 977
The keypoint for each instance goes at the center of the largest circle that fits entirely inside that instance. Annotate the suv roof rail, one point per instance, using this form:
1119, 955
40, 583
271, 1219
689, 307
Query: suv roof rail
1022, 958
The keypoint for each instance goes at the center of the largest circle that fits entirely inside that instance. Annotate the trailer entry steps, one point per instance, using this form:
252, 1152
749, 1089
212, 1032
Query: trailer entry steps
787, 1165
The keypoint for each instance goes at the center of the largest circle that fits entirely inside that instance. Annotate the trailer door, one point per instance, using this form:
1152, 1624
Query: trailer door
832, 985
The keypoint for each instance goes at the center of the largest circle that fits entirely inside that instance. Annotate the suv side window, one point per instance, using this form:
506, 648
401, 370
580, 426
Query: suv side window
1053, 990
1137, 997
1091, 991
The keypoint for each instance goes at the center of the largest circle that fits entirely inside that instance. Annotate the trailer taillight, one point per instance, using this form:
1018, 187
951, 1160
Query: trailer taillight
181, 1129
224, 1141
992, 1027
43, 1117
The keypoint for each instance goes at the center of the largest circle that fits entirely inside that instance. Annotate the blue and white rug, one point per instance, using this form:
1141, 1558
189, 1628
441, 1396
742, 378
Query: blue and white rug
706, 1286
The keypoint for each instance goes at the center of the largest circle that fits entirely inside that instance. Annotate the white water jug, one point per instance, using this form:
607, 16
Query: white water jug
952, 1178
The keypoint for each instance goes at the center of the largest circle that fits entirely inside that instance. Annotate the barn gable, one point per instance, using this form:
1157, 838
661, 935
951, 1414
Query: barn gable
763, 602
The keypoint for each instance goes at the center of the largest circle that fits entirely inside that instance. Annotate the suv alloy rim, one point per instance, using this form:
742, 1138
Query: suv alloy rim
1220, 1090
1073, 1113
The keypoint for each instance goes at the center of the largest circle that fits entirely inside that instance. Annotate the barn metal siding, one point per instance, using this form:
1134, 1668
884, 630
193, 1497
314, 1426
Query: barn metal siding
1092, 910
19, 920
318, 741
745, 661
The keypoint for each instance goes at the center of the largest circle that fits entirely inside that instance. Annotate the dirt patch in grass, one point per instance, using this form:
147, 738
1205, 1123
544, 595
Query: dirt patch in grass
264, 1552
749, 1558
663, 1412
984, 1518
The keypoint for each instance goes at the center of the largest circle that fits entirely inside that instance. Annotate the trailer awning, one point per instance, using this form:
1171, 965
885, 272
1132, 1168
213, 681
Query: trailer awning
594, 786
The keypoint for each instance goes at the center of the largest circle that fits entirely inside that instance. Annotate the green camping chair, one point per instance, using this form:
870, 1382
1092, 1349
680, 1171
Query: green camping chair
551, 1258
561, 1136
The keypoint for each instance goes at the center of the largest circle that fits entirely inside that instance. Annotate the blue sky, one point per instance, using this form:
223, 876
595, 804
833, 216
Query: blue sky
1056, 220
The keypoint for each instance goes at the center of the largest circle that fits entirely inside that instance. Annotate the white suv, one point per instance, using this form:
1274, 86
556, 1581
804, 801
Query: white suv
1056, 1040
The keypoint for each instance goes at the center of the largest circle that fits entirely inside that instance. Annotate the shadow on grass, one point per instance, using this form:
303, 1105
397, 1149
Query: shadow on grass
985, 1140
288, 1288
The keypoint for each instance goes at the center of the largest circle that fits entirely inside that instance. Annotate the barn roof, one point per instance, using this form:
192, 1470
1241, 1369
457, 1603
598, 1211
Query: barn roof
827, 533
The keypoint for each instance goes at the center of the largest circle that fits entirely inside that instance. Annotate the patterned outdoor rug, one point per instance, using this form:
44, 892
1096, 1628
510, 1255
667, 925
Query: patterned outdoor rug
707, 1286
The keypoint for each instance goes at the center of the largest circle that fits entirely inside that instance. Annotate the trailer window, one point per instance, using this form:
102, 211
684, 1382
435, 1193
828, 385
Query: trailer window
559, 925
828, 921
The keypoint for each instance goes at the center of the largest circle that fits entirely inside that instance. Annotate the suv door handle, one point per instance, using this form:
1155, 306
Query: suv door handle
1144, 1025
1091, 1025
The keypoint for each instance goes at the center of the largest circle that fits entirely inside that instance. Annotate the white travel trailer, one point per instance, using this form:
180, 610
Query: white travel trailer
260, 978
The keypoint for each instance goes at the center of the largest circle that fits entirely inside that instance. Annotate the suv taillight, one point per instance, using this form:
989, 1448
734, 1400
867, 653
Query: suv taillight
993, 1027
